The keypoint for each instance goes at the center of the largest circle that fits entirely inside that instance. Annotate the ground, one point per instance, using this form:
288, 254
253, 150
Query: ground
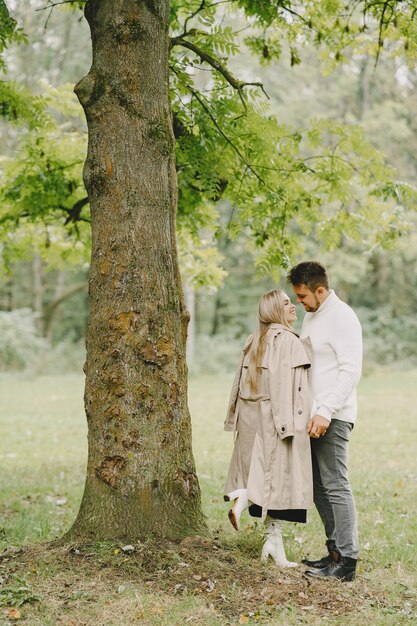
198, 581
218, 580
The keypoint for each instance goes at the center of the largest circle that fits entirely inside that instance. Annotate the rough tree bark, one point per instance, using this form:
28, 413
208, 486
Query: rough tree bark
141, 477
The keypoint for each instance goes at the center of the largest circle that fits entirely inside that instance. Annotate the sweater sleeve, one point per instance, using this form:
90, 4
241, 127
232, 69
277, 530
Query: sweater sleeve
347, 344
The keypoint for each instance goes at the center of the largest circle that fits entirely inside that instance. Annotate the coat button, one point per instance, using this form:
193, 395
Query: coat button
299, 388
283, 429
299, 412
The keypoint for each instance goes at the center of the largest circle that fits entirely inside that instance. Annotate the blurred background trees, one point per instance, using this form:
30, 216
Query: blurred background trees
44, 230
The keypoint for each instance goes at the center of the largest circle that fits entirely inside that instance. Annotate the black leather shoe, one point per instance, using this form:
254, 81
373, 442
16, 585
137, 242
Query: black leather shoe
334, 555
345, 570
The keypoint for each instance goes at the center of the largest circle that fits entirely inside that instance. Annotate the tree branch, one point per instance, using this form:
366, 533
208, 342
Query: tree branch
52, 306
51, 5
63, 167
74, 214
228, 140
190, 17
215, 64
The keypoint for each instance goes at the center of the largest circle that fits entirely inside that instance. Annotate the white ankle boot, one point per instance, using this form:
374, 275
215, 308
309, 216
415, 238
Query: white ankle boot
240, 503
274, 545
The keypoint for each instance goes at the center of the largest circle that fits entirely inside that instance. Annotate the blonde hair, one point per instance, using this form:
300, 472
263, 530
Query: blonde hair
270, 311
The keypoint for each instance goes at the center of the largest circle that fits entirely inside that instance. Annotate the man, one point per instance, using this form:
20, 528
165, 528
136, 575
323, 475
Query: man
336, 338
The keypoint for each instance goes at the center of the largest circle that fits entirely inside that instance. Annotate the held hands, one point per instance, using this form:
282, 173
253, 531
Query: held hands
317, 426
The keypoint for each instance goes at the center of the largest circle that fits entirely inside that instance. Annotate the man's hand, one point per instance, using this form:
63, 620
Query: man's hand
317, 426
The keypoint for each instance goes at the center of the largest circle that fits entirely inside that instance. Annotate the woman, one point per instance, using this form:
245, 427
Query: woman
269, 408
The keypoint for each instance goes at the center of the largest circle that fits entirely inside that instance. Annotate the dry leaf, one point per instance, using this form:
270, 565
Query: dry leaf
13, 613
128, 548
243, 619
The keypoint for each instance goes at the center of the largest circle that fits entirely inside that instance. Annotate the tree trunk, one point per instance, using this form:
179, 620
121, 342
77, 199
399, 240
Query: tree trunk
37, 290
59, 297
364, 86
141, 476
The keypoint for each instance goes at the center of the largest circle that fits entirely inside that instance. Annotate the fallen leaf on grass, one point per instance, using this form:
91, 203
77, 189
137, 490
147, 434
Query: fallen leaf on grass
243, 619
128, 549
195, 541
13, 613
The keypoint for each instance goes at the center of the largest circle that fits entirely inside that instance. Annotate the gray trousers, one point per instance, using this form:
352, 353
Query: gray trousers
332, 493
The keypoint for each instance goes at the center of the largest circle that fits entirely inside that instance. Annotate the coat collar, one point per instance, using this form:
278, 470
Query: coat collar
282, 327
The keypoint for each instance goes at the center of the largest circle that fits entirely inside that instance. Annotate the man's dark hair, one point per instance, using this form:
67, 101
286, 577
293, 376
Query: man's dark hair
309, 273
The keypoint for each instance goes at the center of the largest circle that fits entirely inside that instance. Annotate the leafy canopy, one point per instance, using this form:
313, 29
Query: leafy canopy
278, 183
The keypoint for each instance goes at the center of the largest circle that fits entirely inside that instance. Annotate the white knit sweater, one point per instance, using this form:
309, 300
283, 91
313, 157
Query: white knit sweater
336, 337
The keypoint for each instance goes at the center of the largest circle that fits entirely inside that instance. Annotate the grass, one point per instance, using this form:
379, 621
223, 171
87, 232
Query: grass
206, 582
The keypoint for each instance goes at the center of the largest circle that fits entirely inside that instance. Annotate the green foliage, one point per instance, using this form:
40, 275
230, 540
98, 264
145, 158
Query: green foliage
328, 179
9, 32
20, 344
281, 182
389, 338
231, 311
23, 349
18, 593
199, 261
43, 200
17, 105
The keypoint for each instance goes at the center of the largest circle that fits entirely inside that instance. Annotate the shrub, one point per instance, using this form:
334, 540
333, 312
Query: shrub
216, 353
388, 338
21, 346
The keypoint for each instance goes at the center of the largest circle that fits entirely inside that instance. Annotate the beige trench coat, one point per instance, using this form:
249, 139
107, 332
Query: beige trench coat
271, 456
